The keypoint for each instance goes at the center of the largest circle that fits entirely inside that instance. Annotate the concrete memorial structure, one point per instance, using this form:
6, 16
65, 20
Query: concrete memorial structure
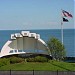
24, 43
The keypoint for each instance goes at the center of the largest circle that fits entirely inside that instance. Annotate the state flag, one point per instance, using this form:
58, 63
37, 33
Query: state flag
65, 20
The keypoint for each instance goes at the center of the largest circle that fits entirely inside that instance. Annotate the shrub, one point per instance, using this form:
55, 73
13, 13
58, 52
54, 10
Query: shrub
30, 59
4, 61
40, 59
37, 59
16, 60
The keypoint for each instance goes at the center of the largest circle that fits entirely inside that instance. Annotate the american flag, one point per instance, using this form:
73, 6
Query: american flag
66, 14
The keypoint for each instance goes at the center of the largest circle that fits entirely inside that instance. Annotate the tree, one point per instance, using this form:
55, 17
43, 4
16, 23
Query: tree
57, 48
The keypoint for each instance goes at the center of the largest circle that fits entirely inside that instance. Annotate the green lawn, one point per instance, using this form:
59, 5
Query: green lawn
51, 66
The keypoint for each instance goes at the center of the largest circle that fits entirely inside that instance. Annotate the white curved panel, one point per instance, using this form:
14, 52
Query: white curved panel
42, 42
6, 49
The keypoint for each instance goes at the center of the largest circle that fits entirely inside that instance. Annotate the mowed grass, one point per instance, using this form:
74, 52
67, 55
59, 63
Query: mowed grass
50, 66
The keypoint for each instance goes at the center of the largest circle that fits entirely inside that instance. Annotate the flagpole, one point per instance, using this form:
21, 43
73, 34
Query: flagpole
62, 32
66, 14
62, 27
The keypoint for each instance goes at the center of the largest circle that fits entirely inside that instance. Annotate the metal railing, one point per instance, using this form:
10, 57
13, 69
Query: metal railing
33, 72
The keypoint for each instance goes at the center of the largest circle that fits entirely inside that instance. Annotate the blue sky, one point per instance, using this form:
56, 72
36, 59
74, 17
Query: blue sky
34, 14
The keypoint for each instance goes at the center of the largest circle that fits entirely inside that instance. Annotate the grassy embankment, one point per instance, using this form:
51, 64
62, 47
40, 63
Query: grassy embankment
51, 66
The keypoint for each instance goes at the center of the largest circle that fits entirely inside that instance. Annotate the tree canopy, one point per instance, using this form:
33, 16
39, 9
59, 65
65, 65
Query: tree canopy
57, 48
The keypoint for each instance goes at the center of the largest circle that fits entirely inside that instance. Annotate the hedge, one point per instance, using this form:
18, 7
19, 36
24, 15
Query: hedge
37, 59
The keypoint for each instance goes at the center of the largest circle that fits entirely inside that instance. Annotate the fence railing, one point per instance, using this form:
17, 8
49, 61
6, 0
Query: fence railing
13, 72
